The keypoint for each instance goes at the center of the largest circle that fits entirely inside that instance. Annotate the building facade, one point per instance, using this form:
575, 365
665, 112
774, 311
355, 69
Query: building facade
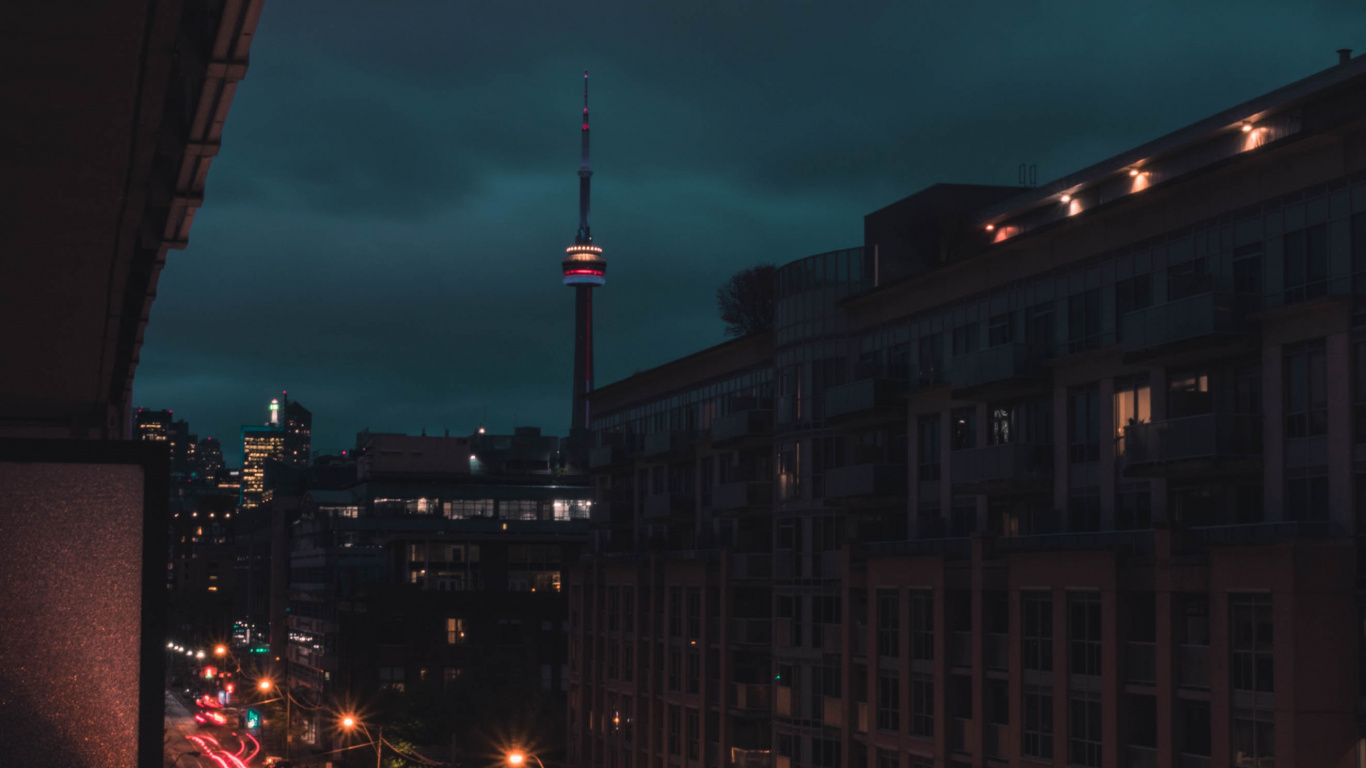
261, 445
1062, 476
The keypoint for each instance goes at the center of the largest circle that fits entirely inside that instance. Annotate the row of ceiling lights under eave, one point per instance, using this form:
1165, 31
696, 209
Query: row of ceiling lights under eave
1141, 180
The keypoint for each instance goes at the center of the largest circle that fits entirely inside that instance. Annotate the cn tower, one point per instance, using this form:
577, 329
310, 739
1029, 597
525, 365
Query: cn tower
584, 269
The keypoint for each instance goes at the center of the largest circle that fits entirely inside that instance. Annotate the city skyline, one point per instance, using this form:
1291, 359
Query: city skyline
419, 184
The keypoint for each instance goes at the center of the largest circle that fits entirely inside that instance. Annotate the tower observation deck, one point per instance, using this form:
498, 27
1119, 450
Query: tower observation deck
583, 269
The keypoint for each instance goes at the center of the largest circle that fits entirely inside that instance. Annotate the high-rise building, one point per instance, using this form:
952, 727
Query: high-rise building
209, 459
1059, 476
298, 425
584, 269
260, 445
151, 425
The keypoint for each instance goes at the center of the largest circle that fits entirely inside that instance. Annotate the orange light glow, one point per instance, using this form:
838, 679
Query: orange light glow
1247, 127
516, 758
991, 227
264, 685
1066, 198
348, 722
220, 650
1133, 171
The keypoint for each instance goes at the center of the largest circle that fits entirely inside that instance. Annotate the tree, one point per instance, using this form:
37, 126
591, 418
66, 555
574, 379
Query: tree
746, 300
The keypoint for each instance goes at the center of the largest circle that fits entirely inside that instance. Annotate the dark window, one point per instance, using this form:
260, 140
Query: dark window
1039, 327
964, 424
676, 612
1131, 294
694, 613
675, 729
1083, 633
1247, 278
1083, 512
888, 702
1188, 394
999, 330
888, 623
1306, 498
1306, 389
1083, 321
675, 668
922, 625
922, 705
694, 737
1254, 738
1306, 263
928, 442
1133, 510
1084, 424
1038, 722
1085, 730
1037, 631
1188, 279
931, 359
966, 339
1252, 639
825, 753
694, 670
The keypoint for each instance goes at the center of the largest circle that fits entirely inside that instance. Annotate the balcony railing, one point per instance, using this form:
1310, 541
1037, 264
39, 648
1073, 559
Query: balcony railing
750, 758
830, 638
669, 441
866, 480
734, 497
1140, 662
958, 733
1208, 315
1140, 757
1009, 463
1261, 533
832, 712
739, 425
996, 365
997, 650
960, 649
753, 698
1192, 666
997, 736
1187, 760
782, 702
861, 717
751, 565
751, 632
664, 505
1209, 437
864, 398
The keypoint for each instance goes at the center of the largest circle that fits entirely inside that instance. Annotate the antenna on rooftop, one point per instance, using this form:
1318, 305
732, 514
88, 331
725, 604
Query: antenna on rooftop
1029, 175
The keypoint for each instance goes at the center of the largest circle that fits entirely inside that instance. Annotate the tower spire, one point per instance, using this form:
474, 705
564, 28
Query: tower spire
585, 236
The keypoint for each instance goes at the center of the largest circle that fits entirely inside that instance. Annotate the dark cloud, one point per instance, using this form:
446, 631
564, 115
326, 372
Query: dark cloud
384, 224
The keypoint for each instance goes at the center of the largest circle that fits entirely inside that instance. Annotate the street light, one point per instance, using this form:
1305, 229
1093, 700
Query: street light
349, 722
517, 758
220, 650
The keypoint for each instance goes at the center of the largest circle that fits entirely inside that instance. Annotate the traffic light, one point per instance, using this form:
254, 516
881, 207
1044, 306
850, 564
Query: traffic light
253, 719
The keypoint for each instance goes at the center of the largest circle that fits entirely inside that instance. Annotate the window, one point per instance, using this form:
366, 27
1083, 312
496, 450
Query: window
1133, 406
1188, 394
1306, 389
928, 447
888, 623
825, 753
1083, 512
922, 625
694, 734
676, 612
1133, 510
1306, 498
1254, 738
1083, 321
964, 424
1247, 278
455, 631
628, 608
965, 339
931, 359
613, 608
1083, 633
1084, 724
675, 729
887, 758
1188, 279
1131, 294
1306, 263
675, 668
888, 702
1252, 637
922, 705
1036, 617
1039, 327
694, 613
694, 669
999, 331
1037, 737
1084, 424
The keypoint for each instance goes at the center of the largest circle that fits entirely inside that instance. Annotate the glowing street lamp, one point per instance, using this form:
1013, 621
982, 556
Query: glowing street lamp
220, 650
518, 758
349, 722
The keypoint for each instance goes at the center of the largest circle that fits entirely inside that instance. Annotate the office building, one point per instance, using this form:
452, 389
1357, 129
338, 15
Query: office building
1063, 475
261, 445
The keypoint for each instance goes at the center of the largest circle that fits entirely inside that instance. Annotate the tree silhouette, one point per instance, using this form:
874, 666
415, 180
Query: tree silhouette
746, 300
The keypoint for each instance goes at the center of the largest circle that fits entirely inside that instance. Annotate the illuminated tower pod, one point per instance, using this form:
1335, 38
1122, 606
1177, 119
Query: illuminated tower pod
584, 269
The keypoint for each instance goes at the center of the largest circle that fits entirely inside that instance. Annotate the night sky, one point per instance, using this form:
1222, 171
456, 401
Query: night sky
382, 230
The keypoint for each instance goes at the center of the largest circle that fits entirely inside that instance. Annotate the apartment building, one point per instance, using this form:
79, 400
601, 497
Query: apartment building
1064, 475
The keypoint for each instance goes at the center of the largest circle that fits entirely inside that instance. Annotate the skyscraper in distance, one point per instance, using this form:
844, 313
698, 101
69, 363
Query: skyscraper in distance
583, 269
260, 444
298, 425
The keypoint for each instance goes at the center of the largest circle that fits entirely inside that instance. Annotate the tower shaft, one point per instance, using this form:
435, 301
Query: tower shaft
583, 357
584, 269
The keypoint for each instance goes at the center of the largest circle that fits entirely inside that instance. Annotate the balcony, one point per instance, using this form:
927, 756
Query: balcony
1140, 662
830, 638
1002, 468
832, 712
757, 632
1007, 370
666, 505
782, 702
753, 698
997, 737
738, 497
861, 717
1192, 666
1186, 325
997, 651
670, 443
866, 482
750, 758
751, 565
740, 426
1194, 445
605, 456
869, 400
1140, 757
